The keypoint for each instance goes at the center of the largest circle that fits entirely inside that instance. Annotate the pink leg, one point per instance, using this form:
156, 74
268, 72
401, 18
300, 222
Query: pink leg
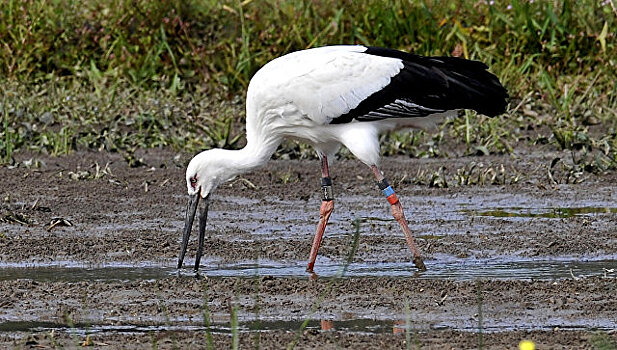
327, 205
399, 215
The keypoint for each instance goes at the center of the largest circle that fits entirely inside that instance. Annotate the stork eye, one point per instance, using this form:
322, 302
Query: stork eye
193, 181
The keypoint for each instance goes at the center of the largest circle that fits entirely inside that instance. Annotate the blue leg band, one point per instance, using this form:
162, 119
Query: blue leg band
388, 191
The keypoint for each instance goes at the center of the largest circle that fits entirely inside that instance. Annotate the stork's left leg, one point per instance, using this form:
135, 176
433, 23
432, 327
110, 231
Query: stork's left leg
399, 215
327, 205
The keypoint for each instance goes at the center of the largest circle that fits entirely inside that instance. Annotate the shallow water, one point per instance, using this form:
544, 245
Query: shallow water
505, 268
424, 214
354, 325
359, 325
268, 223
549, 213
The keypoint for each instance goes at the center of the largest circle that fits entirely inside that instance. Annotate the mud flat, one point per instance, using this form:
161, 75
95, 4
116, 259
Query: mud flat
88, 247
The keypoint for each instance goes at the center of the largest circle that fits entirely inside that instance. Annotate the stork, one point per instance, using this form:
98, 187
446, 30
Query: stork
341, 95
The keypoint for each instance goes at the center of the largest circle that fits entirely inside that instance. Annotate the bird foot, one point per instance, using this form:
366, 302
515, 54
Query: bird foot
419, 263
309, 268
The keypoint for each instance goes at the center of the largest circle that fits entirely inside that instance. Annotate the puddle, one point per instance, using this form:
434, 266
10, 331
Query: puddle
366, 326
354, 325
462, 270
550, 213
448, 269
76, 274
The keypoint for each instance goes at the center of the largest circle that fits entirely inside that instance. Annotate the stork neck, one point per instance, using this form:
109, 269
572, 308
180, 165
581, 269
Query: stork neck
255, 154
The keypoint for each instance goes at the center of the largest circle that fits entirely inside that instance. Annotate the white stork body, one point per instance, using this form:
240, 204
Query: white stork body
299, 94
345, 95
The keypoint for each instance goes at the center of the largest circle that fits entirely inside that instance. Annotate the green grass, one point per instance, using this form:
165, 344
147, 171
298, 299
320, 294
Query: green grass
118, 75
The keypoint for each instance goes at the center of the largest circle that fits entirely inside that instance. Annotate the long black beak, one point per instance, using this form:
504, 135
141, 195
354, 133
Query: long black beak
191, 209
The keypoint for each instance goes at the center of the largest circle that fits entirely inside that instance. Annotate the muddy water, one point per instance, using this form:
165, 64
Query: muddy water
530, 257
462, 270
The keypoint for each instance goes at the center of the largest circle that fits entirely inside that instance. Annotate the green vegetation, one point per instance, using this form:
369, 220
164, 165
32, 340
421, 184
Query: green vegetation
118, 75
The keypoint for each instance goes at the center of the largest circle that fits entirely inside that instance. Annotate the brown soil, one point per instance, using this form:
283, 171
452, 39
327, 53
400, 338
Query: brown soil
134, 216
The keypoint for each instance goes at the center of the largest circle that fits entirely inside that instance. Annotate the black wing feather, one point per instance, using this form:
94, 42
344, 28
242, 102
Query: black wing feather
428, 85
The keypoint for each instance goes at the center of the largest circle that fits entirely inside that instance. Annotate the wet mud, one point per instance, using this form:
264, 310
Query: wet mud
88, 248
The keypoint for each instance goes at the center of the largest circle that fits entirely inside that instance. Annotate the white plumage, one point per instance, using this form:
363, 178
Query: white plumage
321, 83
343, 95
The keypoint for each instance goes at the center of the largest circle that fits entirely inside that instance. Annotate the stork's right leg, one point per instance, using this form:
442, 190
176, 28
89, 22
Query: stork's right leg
399, 215
327, 205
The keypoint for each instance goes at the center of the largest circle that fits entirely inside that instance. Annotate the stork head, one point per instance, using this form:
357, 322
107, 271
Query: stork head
205, 172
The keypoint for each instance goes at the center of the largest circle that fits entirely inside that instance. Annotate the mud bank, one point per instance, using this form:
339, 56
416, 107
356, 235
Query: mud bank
88, 246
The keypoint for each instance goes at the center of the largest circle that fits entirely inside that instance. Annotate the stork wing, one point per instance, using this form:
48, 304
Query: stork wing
323, 83
337, 84
428, 85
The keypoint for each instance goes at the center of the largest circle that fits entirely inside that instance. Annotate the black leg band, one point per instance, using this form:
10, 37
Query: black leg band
383, 184
326, 189
326, 181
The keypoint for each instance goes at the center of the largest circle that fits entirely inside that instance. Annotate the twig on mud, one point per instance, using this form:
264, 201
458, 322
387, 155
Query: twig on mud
521, 103
549, 171
58, 222
247, 183
574, 277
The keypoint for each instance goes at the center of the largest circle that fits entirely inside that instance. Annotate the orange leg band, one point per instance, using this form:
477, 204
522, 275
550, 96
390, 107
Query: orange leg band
392, 199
